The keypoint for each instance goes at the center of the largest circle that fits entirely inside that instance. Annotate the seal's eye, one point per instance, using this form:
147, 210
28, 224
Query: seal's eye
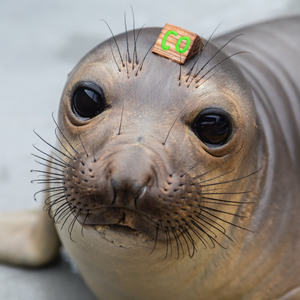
212, 129
87, 103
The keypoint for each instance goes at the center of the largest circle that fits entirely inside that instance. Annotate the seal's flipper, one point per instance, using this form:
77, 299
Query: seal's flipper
27, 238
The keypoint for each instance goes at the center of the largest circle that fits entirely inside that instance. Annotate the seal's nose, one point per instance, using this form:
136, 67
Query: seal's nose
132, 174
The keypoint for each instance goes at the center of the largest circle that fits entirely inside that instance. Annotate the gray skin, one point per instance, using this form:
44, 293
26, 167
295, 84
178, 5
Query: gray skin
143, 193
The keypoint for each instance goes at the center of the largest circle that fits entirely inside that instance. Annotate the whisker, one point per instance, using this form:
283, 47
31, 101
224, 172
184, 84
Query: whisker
44, 177
186, 242
178, 242
48, 173
53, 154
113, 55
164, 143
60, 209
60, 213
49, 166
56, 149
134, 54
200, 54
194, 222
126, 35
179, 77
211, 170
220, 211
218, 203
201, 238
52, 189
170, 240
230, 223
192, 241
167, 246
50, 201
198, 215
121, 120
115, 42
48, 206
215, 227
143, 60
67, 216
47, 181
65, 138
53, 160
155, 240
137, 36
72, 224
82, 226
61, 143
208, 78
211, 179
212, 239
216, 53
82, 143
228, 201
49, 163
219, 63
227, 193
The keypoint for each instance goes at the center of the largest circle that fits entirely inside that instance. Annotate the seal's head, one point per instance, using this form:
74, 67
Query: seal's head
153, 150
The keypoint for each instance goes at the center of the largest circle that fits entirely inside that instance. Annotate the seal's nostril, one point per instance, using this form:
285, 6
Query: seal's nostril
142, 192
139, 196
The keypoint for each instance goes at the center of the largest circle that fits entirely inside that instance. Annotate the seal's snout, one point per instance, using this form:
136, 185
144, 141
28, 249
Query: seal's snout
132, 174
126, 185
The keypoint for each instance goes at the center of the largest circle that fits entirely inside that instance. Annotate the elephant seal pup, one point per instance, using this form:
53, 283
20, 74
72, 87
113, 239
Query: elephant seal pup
158, 163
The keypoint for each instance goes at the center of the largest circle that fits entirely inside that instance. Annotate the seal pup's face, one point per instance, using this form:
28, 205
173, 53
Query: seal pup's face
153, 151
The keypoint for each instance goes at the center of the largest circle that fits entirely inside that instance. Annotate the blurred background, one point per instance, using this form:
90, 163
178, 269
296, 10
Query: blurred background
41, 41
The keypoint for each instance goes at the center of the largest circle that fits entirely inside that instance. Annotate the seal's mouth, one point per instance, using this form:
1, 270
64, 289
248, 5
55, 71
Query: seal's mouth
122, 230
122, 222
117, 227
